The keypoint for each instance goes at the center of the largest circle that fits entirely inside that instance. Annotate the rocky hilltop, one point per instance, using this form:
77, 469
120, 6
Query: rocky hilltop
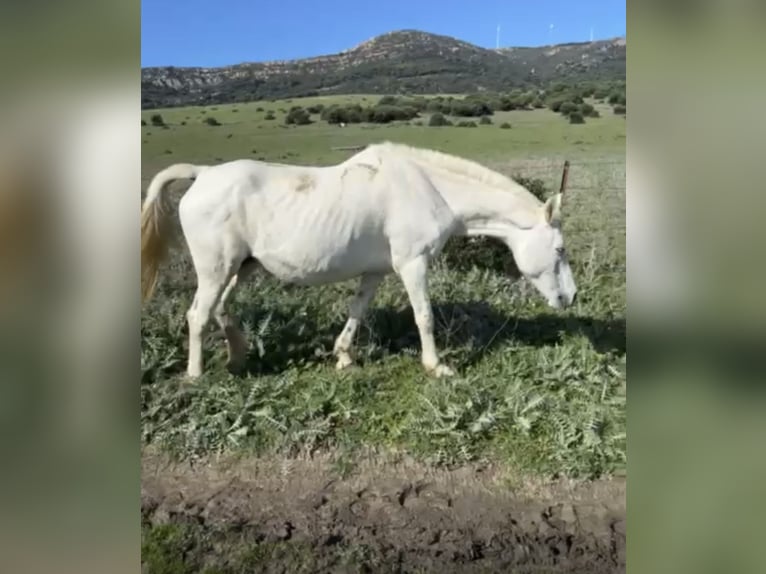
404, 61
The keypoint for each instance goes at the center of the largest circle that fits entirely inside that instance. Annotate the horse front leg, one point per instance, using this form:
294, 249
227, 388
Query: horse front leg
368, 285
414, 275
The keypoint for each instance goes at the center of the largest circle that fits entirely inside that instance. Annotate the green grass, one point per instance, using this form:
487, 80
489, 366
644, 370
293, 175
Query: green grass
245, 133
538, 391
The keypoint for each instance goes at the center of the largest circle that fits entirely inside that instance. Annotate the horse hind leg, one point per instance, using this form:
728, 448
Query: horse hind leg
236, 344
210, 286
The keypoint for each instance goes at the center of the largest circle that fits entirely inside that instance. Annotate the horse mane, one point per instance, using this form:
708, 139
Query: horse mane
458, 166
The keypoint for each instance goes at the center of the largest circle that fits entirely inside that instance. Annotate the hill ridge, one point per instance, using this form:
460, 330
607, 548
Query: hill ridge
399, 61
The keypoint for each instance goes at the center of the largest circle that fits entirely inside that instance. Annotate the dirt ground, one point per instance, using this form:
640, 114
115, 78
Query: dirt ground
292, 515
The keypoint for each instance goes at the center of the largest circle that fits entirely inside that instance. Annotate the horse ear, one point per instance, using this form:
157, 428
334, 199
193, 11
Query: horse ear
552, 209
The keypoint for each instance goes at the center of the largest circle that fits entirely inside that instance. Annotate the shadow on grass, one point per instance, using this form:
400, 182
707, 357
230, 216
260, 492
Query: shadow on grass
472, 325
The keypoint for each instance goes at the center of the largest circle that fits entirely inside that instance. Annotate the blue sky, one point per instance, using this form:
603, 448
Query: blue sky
220, 32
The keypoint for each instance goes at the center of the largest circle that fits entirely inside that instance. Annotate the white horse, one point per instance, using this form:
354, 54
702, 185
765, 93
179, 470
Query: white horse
388, 208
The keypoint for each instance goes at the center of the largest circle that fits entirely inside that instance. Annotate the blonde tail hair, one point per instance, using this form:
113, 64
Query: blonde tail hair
157, 226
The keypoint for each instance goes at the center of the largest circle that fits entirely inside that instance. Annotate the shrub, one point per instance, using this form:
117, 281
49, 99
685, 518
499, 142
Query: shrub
259, 109
466, 124
387, 101
567, 108
464, 253
385, 114
470, 108
269, 116
617, 98
143, 122
298, 116
436, 106
211, 121
485, 120
315, 109
157, 120
619, 109
588, 111
576, 118
535, 186
437, 120
505, 126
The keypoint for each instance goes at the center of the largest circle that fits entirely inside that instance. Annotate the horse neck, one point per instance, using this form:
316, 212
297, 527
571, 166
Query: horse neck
485, 210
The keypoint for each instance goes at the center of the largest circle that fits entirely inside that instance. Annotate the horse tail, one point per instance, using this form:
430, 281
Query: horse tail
158, 229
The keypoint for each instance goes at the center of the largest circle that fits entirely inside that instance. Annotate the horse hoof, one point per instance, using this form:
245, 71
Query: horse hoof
344, 361
442, 371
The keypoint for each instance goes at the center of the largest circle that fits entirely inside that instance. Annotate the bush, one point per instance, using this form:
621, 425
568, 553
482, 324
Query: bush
535, 186
464, 253
387, 101
269, 116
157, 120
617, 98
385, 114
438, 120
567, 108
298, 116
143, 122
619, 110
259, 109
576, 118
315, 109
466, 124
470, 108
211, 121
505, 126
485, 120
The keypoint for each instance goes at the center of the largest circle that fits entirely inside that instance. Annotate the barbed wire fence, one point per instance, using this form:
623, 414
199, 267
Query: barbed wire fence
594, 202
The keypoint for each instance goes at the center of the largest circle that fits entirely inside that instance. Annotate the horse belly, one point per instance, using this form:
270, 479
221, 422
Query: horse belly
311, 259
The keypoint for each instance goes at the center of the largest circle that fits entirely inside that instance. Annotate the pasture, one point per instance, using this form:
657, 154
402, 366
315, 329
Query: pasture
539, 393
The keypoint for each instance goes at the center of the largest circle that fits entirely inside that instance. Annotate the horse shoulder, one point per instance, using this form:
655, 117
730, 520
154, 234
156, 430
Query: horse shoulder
420, 220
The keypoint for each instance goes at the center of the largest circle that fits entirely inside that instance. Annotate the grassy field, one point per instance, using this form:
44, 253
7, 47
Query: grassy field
538, 392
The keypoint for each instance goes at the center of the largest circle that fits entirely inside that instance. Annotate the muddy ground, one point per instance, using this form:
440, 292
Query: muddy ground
285, 516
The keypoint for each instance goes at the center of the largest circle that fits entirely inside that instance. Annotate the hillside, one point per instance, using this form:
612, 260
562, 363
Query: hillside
403, 61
